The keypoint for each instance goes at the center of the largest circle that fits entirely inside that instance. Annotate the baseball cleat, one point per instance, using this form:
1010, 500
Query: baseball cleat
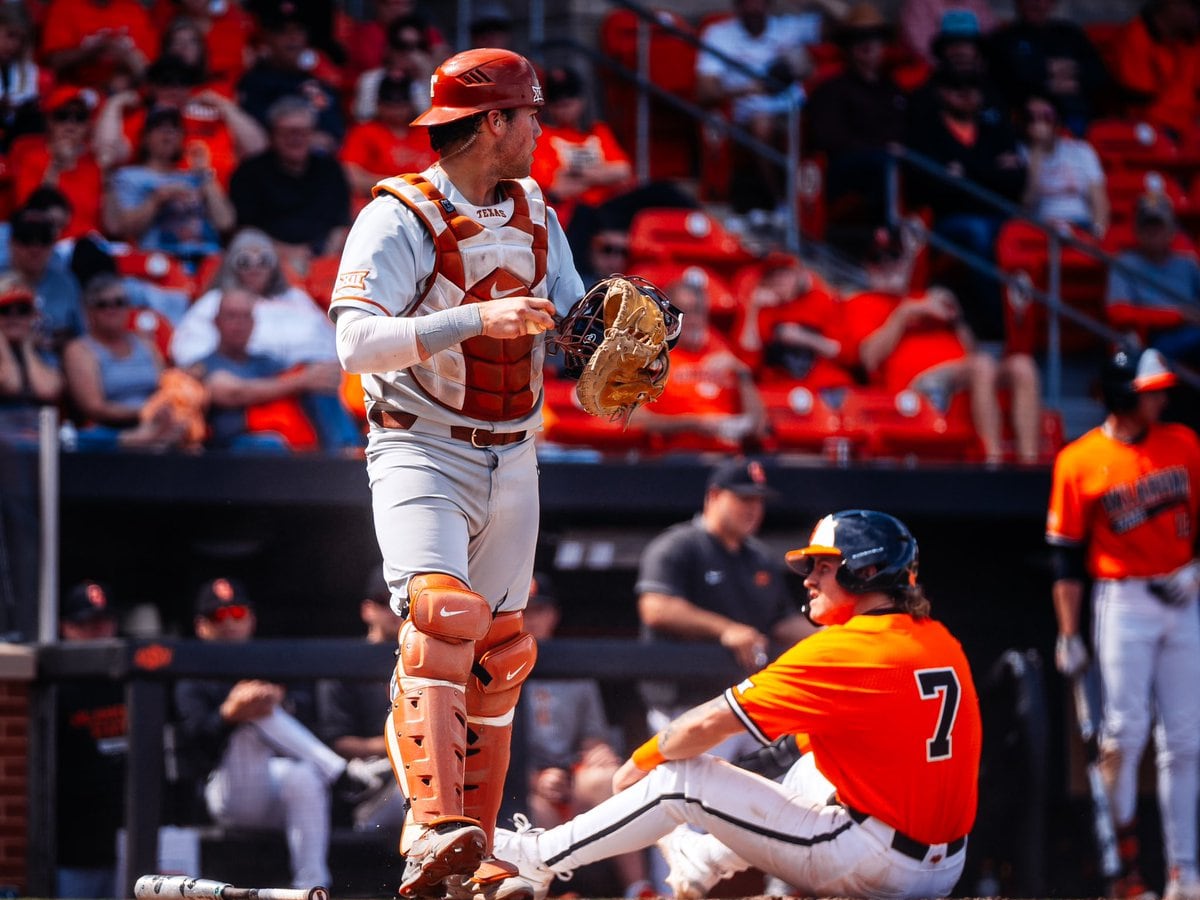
689, 878
449, 846
533, 878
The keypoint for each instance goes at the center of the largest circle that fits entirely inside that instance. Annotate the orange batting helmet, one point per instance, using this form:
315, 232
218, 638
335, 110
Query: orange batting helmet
475, 81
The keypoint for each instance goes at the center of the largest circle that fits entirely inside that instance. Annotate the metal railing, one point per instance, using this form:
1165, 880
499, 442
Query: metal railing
1056, 240
788, 160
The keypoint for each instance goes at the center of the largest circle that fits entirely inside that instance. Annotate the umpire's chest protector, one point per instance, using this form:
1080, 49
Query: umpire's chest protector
484, 378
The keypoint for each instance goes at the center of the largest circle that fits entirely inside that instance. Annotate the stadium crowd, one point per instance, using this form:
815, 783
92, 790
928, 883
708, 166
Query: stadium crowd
187, 150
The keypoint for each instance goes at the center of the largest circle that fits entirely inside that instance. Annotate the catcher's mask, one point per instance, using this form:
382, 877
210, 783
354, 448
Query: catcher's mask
581, 331
878, 552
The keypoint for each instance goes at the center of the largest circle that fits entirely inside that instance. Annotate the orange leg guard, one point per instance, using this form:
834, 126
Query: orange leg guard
505, 658
427, 728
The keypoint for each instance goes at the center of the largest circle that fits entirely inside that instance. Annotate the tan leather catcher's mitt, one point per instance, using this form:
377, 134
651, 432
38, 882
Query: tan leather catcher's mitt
630, 364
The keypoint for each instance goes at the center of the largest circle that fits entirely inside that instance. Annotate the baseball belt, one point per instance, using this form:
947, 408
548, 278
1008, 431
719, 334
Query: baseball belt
902, 843
476, 437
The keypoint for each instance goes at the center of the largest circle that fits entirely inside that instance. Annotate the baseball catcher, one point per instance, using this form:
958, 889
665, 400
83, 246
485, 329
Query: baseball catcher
615, 343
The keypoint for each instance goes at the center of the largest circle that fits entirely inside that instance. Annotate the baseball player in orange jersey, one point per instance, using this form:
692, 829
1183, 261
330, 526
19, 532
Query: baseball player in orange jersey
447, 283
1123, 511
881, 803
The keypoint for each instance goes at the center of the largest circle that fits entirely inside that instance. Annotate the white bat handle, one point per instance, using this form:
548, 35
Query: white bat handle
184, 887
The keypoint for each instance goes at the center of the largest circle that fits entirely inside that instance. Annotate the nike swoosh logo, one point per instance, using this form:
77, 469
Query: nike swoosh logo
496, 295
447, 613
515, 672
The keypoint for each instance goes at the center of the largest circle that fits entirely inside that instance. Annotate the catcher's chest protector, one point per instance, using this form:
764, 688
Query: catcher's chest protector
484, 378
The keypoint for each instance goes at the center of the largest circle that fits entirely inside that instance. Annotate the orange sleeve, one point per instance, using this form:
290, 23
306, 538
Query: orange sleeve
613, 151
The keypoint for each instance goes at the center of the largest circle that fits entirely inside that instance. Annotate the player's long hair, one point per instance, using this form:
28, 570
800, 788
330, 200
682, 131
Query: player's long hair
911, 598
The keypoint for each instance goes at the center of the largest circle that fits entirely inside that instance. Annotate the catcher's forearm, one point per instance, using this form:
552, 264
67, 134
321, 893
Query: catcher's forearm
184, 887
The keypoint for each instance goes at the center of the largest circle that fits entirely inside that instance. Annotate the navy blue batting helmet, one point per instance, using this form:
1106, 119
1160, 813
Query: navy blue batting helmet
1128, 373
878, 552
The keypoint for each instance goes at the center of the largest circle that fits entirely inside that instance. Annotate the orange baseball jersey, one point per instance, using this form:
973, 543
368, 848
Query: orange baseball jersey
889, 709
922, 347
1134, 505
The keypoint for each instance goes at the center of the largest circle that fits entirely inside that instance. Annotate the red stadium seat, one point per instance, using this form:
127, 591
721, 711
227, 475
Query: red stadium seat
565, 422
1124, 186
162, 269
673, 134
322, 273
685, 235
801, 419
1022, 248
1123, 143
905, 424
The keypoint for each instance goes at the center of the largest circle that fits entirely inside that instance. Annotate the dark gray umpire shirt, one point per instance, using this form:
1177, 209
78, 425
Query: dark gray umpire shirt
746, 585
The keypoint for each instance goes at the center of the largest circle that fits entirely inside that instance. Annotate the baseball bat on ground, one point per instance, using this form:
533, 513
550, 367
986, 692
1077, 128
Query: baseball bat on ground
1086, 689
185, 887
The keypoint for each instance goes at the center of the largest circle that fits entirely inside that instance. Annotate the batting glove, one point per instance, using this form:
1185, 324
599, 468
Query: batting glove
1070, 655
1181, 586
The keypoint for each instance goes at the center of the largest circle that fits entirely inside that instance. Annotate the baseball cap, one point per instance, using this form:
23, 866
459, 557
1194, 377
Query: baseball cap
395, 90
68, 94
744, 477
376, 587
88, 601
541, 590
562, 83
222, 593
14, 289
491, 15
163, 115
1154, 208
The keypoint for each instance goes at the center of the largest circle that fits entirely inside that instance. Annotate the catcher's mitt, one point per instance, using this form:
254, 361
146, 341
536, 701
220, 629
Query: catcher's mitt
615, 341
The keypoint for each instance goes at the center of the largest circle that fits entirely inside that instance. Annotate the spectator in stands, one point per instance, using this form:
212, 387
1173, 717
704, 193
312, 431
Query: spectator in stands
577, 159
159, 206
258, 764
19, 75
921, 20
922, 342
296, 195
711, 401
1155, 289
98, 43
217, 132
283, 72
288, 325
31, 250
1065, 185
788, 326
711, 579
957, 47
62, 159
607, 251
29, 375
387, 144
241, 383
573, 750
224, 29
92, 748
111, 375
351, 714
1156, 59
372, 37
772, 47
853, 117
1037, 54
975, 148
409, 58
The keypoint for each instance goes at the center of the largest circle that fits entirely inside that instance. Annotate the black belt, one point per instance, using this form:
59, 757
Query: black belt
476, 437
902, 843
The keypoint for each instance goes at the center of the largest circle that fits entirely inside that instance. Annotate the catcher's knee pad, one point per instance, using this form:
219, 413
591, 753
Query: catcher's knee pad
427, 731
505, 658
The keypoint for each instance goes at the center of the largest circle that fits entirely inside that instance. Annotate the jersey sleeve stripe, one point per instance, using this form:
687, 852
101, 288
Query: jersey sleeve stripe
359, 303
746, 721
1059, 540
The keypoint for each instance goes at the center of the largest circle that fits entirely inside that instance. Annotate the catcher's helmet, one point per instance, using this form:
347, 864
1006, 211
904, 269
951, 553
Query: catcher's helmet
878, 553
475, 81
581, 330
1129, 373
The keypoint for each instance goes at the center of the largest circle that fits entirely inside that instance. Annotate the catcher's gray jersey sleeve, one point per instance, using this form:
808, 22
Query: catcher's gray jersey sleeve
386, 261
563, 283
